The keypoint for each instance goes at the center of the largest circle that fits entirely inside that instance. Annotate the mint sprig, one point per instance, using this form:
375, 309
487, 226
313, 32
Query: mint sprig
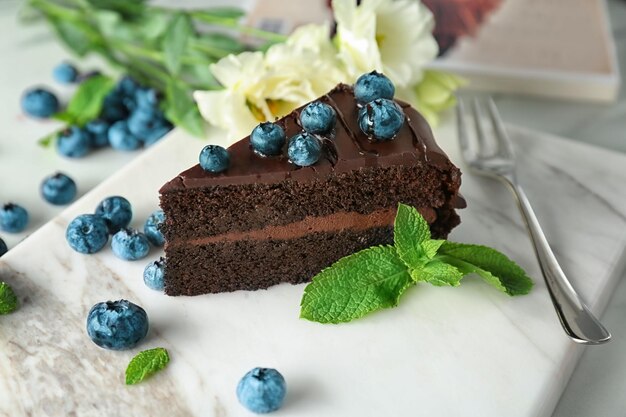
376, 277
145, 364
8, 299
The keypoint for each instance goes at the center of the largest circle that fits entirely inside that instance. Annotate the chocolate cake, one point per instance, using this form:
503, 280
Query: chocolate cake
266, 221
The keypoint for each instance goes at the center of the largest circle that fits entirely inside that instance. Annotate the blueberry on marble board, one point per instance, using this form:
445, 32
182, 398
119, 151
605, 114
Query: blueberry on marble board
268, 139
65, 73
371, 86
3, 247
87, 233
214, 158
13, 218
117, 325
381, 119
318, 118
130, 245
152, 228
98, 130
58, 189
116, 212
121, 138
262, 390
154, 275
73, 142
39, 102
304, 149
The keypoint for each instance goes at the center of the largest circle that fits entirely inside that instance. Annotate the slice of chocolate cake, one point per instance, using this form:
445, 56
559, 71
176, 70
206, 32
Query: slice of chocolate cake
265, 220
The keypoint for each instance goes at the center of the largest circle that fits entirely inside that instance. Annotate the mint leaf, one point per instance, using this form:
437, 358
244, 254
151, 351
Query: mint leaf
175, 41
438, 273
494, 267
145, 364
86, 103
181, 109
409, 231
363, 282
430, 247
49, 139
8, 300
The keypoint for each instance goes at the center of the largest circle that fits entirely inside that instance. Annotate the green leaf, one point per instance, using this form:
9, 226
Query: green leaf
493, 266
75, 35
145, 364
232, 13
363, 282
49, 139
181, 110
410, 230
438, 273
175, 41
87, 101
430, 247
8, 300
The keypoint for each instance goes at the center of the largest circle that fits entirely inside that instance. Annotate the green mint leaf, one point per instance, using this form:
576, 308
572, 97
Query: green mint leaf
409, 231
229, 13
493, 266
181, 110
49, 140
78, 36
145, 364
438, 273
363, 282
175, 41
8, 300
430, 247
87, 101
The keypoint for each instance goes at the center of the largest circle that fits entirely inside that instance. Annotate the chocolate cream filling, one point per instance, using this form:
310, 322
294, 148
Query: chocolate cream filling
335, 222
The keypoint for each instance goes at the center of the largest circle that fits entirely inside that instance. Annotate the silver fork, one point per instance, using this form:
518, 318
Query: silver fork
496, 160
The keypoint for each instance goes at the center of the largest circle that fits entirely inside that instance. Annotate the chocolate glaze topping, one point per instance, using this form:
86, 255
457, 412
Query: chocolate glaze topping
345, 149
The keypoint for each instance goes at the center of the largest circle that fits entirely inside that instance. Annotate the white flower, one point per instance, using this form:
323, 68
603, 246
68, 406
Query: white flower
260, 87
390, 36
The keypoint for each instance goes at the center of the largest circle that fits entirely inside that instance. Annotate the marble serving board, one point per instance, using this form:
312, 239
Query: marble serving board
469, 351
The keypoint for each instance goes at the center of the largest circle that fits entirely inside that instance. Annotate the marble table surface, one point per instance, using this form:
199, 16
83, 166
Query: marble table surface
598, 383
444, 351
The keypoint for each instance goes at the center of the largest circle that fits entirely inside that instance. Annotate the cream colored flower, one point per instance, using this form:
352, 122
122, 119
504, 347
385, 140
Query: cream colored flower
260, 87
390, 36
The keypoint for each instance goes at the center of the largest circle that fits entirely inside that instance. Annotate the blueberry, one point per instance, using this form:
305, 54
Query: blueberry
152, 228
87, 233
113, 108
39, 102
58, 189
381, 119
304, 149
262, 390
65, 73
318, 117
117, 325
214, 158
73, 142
127, 86
372, 86
142, 121
146, 98
268, 139
154, 275
13, 218
155, 134
116, 212
130, 245
3, 247
98, 130
121, 138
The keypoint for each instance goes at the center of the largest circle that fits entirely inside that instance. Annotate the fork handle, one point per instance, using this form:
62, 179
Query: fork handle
577, 320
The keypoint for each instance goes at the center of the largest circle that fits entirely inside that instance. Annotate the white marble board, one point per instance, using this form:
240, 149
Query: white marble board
468, 351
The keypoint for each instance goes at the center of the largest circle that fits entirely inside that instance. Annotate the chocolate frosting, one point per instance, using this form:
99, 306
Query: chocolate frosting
346, 148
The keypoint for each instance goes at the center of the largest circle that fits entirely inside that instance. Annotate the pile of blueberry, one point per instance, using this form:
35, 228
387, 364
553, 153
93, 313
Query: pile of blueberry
89, 233
130, 116
379, 117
